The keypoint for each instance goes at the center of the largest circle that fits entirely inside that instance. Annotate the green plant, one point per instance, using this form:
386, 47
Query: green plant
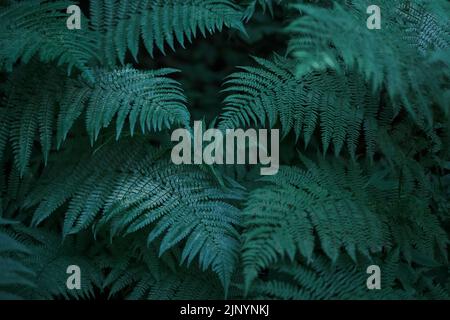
86, 177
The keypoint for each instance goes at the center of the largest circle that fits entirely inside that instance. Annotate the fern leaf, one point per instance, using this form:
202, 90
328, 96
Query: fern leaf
14, 271
30, 108
135, 191
322, 280
266, 5
4, 130
38, 27
272, 93
149, 99
121, 24
284, 218
49, 259
323, 37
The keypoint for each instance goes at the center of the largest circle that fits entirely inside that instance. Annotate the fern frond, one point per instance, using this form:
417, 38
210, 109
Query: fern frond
272, 93
343, 208
322, 280
33, 103
395, 58
34, 264
324, 204
158, 278
4, 127
122, 24
49, 261
30, 106
147, 98
266, 5
184, 285
13, 270
136, 190
38, 28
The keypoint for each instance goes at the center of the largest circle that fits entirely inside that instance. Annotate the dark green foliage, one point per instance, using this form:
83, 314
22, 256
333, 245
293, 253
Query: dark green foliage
339, 208
145, 97
38, 27
272, 93
24, 117
137, 187
86, 176
322, 280
119, 25
406, 59
36, 263
153, 277
14, 271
